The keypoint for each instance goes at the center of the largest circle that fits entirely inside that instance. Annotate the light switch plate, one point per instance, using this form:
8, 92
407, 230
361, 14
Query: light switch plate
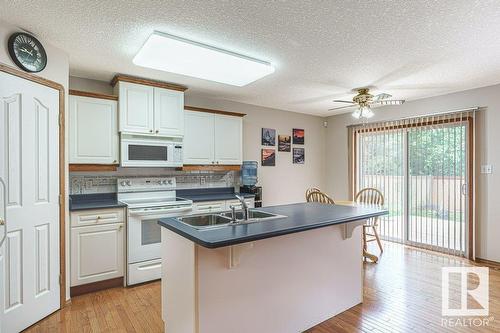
486, 168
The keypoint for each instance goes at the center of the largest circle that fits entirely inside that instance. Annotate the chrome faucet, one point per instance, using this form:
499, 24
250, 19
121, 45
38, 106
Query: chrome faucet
244, 206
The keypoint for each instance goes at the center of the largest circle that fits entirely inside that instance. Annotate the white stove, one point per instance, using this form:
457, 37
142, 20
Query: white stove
148, 200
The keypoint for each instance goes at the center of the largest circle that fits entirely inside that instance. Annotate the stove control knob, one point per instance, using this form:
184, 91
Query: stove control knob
129, 183
165, 182
123, 183
170, 182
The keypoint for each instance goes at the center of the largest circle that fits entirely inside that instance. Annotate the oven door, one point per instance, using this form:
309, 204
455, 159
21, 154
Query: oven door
144, 232
147, 153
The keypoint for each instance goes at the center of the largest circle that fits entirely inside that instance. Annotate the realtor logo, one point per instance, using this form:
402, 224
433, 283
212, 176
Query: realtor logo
458, 302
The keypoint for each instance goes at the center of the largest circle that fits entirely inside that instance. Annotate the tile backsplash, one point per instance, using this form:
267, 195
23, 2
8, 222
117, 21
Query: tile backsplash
88, 183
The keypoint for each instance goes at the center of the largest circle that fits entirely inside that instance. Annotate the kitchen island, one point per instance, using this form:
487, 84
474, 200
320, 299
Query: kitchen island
279, 275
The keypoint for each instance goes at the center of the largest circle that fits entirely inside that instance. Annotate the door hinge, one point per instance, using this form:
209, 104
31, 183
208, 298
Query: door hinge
60, 199
60, 280
60, 119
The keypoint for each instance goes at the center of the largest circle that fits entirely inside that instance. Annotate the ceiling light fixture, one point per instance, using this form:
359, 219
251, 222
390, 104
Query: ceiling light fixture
181, 56
363, 111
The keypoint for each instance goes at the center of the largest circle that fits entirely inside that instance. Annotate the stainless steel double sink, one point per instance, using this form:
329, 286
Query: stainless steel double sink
210, 221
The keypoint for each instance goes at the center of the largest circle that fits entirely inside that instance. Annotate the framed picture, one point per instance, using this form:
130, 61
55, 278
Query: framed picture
299, 155
284, 142
268, 137
268, 157
298, 136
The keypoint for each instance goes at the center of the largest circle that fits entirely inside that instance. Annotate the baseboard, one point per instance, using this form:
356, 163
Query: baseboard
490, 263
96, 286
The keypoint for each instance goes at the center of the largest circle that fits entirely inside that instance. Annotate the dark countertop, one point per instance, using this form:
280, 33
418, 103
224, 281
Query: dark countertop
94, 201
211, 194
300, 217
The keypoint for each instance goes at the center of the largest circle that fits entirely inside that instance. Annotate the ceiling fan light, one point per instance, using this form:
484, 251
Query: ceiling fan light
368, 112
357, 113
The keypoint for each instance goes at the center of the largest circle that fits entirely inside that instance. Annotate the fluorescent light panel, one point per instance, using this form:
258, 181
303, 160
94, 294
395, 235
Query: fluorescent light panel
181, 56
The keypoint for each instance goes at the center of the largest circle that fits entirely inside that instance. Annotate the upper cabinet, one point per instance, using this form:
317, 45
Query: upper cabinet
168, 112
93, 132
150, 107
136, 108
212, 138
228, 139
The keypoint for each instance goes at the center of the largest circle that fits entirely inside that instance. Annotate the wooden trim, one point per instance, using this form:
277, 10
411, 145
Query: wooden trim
210, 168
489, 263
226, 113
92, 95
62, 170
470, 190
93, 167
147, 82
96, 286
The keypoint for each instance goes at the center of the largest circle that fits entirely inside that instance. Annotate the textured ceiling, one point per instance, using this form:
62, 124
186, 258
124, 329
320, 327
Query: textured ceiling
321, 49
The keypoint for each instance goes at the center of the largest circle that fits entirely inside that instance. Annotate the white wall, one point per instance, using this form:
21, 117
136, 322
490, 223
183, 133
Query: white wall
487, 152
57, 70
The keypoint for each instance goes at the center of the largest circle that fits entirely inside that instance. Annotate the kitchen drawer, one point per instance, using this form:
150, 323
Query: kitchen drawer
97, 217
144, 271
250, 202
209, 207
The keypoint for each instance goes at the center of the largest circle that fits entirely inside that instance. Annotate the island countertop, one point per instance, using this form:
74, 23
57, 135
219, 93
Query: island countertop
299, 217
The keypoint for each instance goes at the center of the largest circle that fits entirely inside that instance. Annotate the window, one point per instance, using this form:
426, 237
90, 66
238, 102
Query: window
422, 166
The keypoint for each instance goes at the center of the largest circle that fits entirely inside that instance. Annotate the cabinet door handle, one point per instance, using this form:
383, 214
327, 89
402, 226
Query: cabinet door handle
115, 161
157, 131
150, 131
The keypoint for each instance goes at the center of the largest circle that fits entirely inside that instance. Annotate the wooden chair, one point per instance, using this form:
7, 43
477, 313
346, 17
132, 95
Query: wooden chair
315, 195
311, 190
370, 196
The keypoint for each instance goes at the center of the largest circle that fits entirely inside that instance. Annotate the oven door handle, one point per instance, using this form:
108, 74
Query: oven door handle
143, 212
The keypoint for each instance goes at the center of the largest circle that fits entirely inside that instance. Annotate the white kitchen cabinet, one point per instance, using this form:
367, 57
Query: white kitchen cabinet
168, 112
93, 132
150, 110
209, 207
97, 245
212, 139
136, 108
228, 139
198, 139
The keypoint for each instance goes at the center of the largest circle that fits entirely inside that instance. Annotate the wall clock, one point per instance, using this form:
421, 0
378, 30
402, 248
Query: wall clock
27, 52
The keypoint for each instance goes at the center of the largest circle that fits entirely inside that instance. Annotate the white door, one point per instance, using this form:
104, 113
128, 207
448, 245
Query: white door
2, 240
29, 156
169, 112
96, 253
198, 138
228, 139
136, 108
93, 131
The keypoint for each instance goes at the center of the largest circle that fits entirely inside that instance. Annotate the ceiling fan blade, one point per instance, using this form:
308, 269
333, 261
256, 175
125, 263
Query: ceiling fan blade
341, 101
381, 96
390, 102
341, 107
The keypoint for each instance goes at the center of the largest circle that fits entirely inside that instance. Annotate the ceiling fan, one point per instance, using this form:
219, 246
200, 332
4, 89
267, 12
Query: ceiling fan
364, 101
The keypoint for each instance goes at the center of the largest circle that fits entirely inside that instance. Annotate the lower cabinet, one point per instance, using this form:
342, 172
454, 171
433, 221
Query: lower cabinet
97, 251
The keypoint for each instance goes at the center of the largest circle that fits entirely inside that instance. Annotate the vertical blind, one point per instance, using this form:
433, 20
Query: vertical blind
423, 168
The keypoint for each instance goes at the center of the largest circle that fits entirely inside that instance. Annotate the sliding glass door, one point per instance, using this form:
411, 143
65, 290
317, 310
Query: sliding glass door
422, 167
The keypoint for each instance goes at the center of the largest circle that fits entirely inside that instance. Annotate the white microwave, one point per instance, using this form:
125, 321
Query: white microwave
142, 151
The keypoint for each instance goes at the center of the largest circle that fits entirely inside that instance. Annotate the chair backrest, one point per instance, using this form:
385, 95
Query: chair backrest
311, 190
318, 196
370, 196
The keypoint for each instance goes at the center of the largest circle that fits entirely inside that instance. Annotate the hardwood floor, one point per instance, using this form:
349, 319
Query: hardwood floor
402, 294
